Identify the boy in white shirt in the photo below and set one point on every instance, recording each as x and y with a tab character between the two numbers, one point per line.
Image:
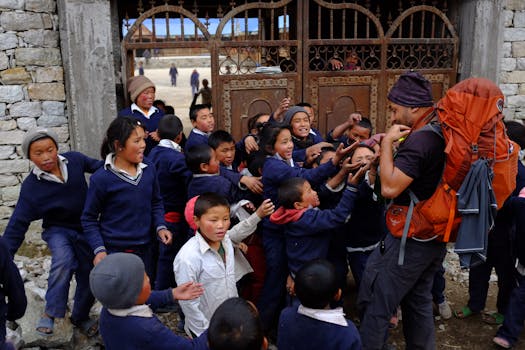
208	257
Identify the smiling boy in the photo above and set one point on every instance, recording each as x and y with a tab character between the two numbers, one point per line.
203	124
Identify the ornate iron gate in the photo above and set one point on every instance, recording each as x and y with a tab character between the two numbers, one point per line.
302	39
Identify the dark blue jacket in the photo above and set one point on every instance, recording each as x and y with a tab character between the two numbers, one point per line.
195	139
173	176
216	183
142	333
299	150
12	288
308	237
300	332
151	124
120	212
58	204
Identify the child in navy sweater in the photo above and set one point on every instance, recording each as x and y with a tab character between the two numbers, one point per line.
354	129
174	177
123	202
203	123
13	290
121	285
312	324
55	191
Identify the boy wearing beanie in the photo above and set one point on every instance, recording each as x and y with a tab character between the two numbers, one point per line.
121	285
142	94
55	191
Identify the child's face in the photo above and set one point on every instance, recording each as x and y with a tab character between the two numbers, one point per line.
133	150
213	164
284	144
204	120
300	124
309	197
362	155
326	157
214	224
145	292
145	98
357	133
225	153
44	154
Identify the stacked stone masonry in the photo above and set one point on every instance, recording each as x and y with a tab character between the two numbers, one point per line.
32	91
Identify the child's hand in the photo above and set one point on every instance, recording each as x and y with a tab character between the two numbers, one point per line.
165	236
187	291
283	107
243	247
265	209
342	152
354	179
99	257
290	286
348	167
154	135
254	184
314	151
354	118
250	145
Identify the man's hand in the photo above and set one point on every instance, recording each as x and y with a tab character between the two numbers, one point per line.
396	132
254	184
165	236
187	291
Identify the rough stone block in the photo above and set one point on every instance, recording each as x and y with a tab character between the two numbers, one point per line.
2	109
49	74
51	120
11	93
40	5
25	109
12	137
5	212
6	152
4	61
518	49
19	21
6	125
516	101
15	76
44	38
8	180
14	166
513	77
520	64
506	48
509	89
53	107
62	133
521	90
10	193
26	123
47	91
37	57
508	64
513	34
518	5
12	4
8	41
508	16
519	19
509	113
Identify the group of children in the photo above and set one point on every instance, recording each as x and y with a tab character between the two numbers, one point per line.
276	217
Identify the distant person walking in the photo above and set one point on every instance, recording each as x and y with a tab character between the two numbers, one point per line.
194	82
173	74
141	68
147	55
205	93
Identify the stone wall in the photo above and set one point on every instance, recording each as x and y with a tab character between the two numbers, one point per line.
31	88
512	75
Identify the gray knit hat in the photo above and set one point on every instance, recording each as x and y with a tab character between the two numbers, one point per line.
117	280
288	115
37	134
137	84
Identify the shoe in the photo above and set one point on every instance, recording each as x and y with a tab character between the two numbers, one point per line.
494	318
45	326
501	342
444	310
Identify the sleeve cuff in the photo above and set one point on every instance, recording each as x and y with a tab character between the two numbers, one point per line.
100	249
161	227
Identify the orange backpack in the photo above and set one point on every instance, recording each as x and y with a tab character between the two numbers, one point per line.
471	120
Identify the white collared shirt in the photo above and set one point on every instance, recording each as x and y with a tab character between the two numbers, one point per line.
200	132
109	163
198	262
334	316
44	175
151	111
170	144
289	162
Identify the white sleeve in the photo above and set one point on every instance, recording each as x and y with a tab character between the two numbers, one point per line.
244	228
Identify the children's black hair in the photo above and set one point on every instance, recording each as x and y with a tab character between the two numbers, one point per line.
156	103
197	155
205	82
119	130
516	132
194	109
252	122
170	126
256	163
169	109
219	136
361	145
316	284
291	191
322	153
235	325
304	104
366	123
268	137
208	200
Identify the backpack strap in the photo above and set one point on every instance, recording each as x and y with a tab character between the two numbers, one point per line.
402	247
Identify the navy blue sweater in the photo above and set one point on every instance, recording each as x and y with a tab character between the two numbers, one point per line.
122	213
300	332
217	184
58	204
299	150
173	175
308	237
195	139
151	124
12	288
